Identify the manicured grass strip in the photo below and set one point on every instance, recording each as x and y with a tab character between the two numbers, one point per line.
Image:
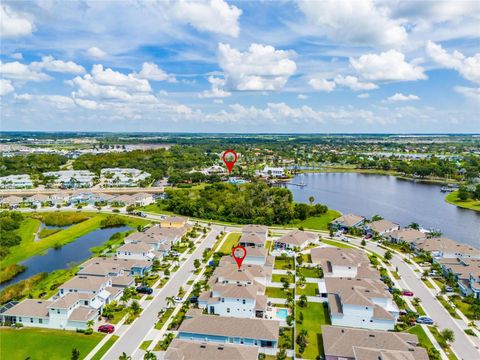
103	350
47	232
276	293
164	318
448	307
436	334
318	222
144	346
339	244
229	243
428	284
28	229
452	198
285	263
423	339
308	272
310	289
278	278
314	316
45	344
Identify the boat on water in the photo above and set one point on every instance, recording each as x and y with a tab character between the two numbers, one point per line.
449	188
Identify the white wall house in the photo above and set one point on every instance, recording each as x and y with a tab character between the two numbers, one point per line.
137	250
71	178
123	177
15	182
271	172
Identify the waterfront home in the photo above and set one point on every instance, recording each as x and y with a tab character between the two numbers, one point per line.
37	200
136	250
380	227
347	221
134	267
362	303
122	177
174	222
12	201
343	262
184	350
16	182
237	300
100	197
91	285
70	312
343	343
160	239
71	179
260	230
142	199
271	172
60	198
466	273
230	330
407	235
440	247
295	239
81	196
252	240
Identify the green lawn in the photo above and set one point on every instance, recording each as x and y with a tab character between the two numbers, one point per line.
105	347
283	263
464	307
278	278
448	307
314	316
423	339
436	334
318	222
163	318
310	289
339	244
452	198
44	344
144	345
28	229
28	247
308	272
275	292
230	242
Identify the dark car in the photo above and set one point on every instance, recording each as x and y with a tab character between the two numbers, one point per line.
144	290
106	328
424	320
193	299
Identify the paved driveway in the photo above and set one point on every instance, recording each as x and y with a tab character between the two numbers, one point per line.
131	339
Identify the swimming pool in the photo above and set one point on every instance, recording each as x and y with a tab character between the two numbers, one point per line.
281	314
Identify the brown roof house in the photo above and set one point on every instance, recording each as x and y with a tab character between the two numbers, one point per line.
295	239
381	227
408	235
192	350
348	221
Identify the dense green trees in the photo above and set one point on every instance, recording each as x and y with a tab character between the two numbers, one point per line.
251	203
9	222
30	164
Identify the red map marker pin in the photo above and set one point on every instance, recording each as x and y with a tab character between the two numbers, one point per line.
239	253
228	163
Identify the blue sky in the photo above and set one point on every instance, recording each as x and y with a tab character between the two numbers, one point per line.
241	66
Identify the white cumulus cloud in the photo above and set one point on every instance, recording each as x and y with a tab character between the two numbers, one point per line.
18	71
151	71
468	67
96	52
354	83
469	92
6	87
259	68
217	90
13	24
401	97
322	84
354	21
49	63
389	65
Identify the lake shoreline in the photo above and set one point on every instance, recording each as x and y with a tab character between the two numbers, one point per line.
452	199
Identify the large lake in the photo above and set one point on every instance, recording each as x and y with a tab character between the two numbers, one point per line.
66	256
401	201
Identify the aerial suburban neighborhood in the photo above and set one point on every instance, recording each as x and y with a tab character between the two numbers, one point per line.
240	180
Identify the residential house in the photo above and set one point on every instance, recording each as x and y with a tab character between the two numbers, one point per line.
228	272
440	247
60	198
260	230
295	239
343	262
185	350
174	222
71	179
16	182
269	171
407	235
122	200
363	303
142	199
237	300
380	227
343	343
347	221
100	197
229	330
136	250
123	177
133	267
91	285
12	201
214	170
466	272
252	240
38	199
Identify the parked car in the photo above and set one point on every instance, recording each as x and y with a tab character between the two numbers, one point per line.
402	312
407	293
107	328
424	320
432	273
193	299
178	299
144	290
448	288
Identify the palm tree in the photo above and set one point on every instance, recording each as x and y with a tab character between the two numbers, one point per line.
90	323
448	335
170	301
149	356
311	200
135	307
124	357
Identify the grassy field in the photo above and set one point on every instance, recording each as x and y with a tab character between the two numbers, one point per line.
283	263
278	293
44	344
452	198
28	247
105	347
278	278
314	316
28	229
318	222
307	272
339	244
229	243
310	289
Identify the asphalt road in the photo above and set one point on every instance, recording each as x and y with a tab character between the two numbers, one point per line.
131	339
466	347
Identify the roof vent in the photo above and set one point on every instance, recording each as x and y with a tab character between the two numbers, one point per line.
411	349
343	330
371	335
220	348
203	346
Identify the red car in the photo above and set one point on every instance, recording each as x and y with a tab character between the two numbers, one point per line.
407	293
106	329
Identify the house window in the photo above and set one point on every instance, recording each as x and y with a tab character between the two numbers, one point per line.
31	320
19	319
241	341
243	301
58	311
228	310
223	299
40	321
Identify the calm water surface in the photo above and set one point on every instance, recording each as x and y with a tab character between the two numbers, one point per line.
71	253
401	201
